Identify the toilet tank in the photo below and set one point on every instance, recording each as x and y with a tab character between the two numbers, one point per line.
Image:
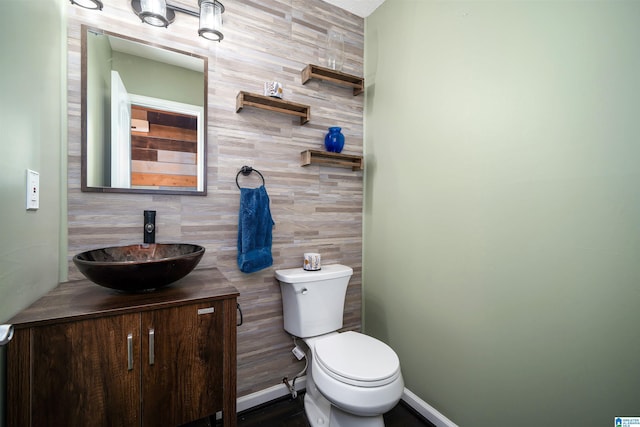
313	301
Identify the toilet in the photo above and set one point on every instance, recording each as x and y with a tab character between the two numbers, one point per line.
352	378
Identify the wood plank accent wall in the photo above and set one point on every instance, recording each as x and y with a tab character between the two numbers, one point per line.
315	208
164	156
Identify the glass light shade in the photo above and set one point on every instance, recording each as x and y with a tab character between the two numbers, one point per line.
154	12
211	20
88	4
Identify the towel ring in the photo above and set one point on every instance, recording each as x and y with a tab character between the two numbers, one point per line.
246	170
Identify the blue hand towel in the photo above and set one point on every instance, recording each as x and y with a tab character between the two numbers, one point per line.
254	230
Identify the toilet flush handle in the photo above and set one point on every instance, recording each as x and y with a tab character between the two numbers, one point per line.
304	291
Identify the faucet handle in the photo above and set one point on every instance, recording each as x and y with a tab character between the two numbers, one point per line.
149	226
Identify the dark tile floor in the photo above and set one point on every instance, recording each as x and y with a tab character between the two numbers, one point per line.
289	412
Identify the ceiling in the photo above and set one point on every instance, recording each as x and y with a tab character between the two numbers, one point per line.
362	8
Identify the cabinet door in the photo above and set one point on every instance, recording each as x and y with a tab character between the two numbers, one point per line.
182	363
81	374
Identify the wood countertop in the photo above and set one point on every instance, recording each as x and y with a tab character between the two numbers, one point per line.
83	299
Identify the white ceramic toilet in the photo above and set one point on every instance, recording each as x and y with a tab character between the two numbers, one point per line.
352	379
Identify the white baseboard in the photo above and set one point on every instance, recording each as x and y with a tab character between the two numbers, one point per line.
267	395
277	391
426	410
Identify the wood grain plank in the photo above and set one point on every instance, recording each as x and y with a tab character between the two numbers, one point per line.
162	180
165	168
70	366
187	348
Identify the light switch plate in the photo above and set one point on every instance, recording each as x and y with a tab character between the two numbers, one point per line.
33	190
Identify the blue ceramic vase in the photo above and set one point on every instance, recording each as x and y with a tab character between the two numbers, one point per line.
334	140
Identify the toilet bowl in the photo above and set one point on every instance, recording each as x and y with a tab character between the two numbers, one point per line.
352	378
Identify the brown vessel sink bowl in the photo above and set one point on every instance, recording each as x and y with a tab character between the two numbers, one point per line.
138	268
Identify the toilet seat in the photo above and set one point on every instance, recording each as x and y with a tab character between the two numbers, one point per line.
357	359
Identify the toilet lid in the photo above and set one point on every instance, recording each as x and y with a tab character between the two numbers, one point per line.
357	359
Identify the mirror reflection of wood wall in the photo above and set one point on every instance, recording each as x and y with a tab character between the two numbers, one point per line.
163	149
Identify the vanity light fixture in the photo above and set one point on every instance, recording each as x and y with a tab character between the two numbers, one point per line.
88	4
211	19
160	13
153	12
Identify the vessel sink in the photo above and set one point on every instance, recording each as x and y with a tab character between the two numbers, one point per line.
137	268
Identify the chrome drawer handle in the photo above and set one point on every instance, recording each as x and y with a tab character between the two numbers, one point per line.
130	351
152	357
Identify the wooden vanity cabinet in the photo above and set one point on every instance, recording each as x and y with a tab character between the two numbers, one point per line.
163	358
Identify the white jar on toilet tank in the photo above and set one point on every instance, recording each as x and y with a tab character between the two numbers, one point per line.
312	261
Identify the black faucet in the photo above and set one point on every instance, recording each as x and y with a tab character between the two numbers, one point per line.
149	226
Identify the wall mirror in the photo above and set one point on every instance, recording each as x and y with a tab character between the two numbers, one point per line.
144	116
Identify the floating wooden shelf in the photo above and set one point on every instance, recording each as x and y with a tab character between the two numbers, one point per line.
316	72
308	157
246	99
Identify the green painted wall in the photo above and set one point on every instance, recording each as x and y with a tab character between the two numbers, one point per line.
99	104
502	206
32	128
159	80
